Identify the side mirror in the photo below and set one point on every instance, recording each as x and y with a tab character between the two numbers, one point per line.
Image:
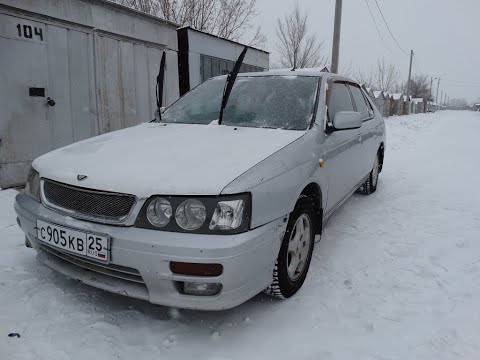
346	120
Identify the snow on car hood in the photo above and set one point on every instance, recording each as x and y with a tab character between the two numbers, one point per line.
172	159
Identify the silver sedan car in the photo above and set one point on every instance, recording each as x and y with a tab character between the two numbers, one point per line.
190	213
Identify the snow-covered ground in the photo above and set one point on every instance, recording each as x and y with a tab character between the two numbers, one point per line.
395	276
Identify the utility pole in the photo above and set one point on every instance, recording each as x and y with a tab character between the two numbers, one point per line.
441	100
336	36
431	84
430	105
438	86
409	78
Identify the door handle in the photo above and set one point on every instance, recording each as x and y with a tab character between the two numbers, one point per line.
50	101
360	136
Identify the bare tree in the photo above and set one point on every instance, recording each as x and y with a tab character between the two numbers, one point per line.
459	104
368	79
296	47
419	87
347	70
386	76
229	19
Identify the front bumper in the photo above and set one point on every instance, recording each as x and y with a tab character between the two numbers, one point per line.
248	259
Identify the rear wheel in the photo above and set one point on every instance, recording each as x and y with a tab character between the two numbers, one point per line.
295	253
370	185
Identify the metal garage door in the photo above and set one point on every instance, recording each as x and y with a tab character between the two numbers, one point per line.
125	76
39	61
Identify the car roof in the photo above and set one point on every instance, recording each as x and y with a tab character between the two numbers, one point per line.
297	72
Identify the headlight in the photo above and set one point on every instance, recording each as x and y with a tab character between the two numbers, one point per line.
32	187
191	214
225	214
159	212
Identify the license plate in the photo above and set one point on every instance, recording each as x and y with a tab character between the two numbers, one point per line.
91	245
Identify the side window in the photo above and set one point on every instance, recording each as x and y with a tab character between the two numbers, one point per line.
339	100
369	104
215	67
207	68
360	101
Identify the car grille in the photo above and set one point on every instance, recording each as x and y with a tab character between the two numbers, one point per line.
116	271
94	204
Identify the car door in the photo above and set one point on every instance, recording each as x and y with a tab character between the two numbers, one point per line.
342	148
367	149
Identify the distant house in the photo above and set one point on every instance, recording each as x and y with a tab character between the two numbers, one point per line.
370	92
397	107
476	107
379	100
419	105
387	104
407	105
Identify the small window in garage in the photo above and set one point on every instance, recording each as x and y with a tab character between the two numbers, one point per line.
339	100
207	68
223	67
215	67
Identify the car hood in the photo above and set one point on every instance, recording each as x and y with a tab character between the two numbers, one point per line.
169	159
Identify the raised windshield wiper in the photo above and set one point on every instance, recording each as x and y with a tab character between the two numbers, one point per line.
229	84
159	87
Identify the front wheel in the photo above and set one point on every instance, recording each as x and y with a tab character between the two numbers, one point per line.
295	253
370	185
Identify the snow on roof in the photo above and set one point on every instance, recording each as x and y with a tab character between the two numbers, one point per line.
219	37
417	100
376	94
316	69
397	96
405	98
281	72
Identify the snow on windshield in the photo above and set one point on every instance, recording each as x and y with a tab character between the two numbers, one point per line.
284	102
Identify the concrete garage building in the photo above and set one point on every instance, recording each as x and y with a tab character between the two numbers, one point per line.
202	56
397	104
73	69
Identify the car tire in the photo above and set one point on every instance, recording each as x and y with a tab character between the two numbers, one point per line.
370	185
295	254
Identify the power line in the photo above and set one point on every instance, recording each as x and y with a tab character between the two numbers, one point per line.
390	31
467	82
376	26
416	65
465	85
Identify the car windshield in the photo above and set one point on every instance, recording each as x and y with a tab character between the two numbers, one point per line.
284	102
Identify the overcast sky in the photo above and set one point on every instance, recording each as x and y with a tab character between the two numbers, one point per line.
444	35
